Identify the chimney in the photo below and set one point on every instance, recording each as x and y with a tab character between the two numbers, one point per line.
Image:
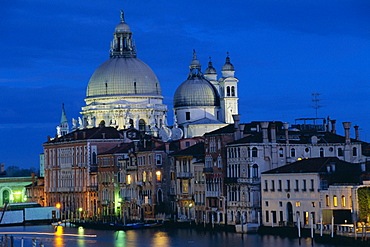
236	119
264	126
333	130
347	126
357	132
273	132
33	178
328	124
286	127
49	138
167	146
103	135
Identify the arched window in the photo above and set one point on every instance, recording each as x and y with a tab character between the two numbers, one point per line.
255	171
254	152
141	125
227	91
340	152
343	201
281	152
232	91
354	152
327	200
131	123
321	152
6	196
335	201
292	152
94	161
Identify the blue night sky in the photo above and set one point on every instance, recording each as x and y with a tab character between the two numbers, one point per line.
283	51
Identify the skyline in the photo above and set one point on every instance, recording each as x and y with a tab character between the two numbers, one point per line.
282	52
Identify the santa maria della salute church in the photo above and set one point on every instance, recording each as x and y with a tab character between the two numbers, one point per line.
125	93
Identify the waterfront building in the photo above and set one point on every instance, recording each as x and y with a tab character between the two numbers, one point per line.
269	145
71	167
310	191
35	190
13	189
190	184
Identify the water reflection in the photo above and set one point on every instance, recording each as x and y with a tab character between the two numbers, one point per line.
58	240
81	238
160	239
120	239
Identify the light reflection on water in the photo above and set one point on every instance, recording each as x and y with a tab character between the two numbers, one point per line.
80	237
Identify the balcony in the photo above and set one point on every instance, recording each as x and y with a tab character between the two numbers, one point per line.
185	175
231	180
131	168
213	193
208	170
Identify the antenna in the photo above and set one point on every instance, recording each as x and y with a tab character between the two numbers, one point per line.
316	100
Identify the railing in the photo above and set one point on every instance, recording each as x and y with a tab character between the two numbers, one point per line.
185	175
213	193
208	170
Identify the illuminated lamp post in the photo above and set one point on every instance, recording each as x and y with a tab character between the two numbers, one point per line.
58	206
79	213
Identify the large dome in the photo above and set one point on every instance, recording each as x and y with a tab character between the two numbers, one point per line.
123	76
196	91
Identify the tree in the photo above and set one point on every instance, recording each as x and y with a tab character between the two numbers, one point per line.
363	195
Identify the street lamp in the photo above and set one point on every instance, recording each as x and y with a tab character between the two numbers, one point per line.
79	212
58	206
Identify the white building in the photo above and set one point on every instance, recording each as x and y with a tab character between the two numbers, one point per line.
306	190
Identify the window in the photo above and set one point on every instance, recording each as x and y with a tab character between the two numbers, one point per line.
128	179
159	176
227	91
281	152
187	115
343	201
340	152
266	186
296	185
158	159
267	216
279	185
266	203
354	152
304	188
335	201
141	125
144	176
187	144
254	152
232	91
272	185
287	185
255	171
312	185
297	204
292	152
321	152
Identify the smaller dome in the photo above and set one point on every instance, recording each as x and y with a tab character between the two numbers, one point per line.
228	66
196	92
122	27
210	69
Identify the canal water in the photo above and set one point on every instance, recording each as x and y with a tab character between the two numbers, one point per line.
160	237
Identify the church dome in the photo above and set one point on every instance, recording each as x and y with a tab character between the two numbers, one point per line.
228	66
210	69
122	27
123	76
196	91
